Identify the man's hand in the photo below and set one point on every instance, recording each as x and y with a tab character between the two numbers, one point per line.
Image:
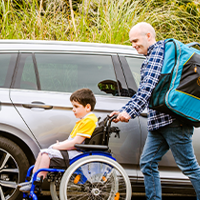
115	113
123	116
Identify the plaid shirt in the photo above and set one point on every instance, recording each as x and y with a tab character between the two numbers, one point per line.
150	73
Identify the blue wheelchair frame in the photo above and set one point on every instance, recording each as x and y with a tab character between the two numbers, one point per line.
33	196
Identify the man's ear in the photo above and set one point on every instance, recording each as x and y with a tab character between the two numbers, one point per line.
148	36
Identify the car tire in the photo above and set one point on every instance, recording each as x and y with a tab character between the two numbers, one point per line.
13	168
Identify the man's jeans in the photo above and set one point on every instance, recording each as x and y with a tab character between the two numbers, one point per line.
176	137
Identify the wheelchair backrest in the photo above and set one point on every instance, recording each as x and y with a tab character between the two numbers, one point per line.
102	133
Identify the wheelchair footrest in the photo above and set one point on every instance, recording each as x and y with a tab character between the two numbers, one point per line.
90	147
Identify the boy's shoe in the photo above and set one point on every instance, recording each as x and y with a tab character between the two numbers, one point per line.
22	184
26	188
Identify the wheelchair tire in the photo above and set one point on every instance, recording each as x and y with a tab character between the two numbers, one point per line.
95	177
54	191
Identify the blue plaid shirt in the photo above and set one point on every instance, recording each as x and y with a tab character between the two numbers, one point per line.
150	73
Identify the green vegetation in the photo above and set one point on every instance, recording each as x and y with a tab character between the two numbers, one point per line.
105	21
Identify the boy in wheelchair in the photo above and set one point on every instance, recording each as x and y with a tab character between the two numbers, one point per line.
83	101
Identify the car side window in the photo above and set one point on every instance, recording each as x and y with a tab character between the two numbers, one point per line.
7	64
135	66
62	72
69	72
28	78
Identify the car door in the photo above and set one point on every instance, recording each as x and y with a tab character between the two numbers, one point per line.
44	82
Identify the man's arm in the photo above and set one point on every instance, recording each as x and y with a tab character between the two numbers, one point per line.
149	78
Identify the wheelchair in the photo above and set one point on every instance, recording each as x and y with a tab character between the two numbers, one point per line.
92	175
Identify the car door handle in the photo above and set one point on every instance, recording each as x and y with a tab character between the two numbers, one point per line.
143	114
37	104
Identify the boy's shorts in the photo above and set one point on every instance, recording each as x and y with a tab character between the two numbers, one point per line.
52	153
57	163
58	159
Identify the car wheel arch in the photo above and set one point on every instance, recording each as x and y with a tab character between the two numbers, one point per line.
23	144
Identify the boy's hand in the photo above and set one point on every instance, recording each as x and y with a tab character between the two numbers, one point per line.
55	145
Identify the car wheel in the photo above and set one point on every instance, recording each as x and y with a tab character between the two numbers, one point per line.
13	167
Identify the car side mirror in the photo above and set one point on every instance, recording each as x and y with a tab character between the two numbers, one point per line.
109	87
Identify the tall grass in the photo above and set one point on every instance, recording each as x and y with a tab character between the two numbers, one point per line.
105	21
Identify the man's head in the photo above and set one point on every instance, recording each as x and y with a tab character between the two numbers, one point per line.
142	36
85	97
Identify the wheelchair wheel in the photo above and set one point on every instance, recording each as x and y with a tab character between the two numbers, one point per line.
54	191
95	177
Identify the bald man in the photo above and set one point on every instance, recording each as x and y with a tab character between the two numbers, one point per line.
164	131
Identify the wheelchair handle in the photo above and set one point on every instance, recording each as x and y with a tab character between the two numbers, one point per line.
113	117
110	119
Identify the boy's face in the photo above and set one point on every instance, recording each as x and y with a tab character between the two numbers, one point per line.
79	110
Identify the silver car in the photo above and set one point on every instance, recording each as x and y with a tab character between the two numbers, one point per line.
36	81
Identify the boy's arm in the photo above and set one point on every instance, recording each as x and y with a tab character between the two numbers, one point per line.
84	131
69	144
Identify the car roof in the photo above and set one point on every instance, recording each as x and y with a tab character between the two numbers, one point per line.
47	45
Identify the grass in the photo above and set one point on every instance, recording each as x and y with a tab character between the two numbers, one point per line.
102	21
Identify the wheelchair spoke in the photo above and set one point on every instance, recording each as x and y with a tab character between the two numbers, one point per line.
101	182
95	178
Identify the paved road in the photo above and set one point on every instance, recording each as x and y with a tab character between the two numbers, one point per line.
140	198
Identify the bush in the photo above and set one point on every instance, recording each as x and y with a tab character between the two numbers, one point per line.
103	21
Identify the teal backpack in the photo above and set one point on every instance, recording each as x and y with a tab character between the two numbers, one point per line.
178	89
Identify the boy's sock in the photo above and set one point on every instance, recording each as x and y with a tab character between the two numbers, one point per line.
37	179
